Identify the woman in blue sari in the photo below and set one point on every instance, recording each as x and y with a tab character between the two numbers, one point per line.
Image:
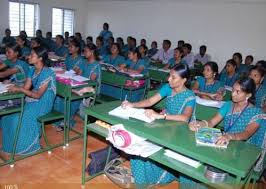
180	103
177	59
229	76
143	52
114	58
207	86
40	91
25	51
134	64
101	49
73	59
16	69
257	74
242	120
60	49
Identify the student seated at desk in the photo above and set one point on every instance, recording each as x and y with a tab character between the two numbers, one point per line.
143	51
242	120
60	50
78	37
90	68
230	75
73	59
25	51
15	68
188	55
35	42
101	49
134	64
40	90
153	50
114	58
257	74
7	40
180	103
202	57
207	86
165	53
177	59
49	42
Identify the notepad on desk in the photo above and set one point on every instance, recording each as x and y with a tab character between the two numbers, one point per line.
208	137
182	158
126	113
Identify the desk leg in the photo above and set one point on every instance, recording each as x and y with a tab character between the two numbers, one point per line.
17	132
65	121
68	121
83	180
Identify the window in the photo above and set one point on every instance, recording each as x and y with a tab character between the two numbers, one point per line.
62	22
23	16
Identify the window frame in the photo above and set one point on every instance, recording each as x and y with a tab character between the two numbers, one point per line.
36	14
73	27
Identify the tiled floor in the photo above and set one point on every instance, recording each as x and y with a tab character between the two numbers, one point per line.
61	169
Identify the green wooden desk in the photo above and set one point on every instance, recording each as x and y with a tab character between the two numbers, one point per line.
65	91
118	81
11	96
238	159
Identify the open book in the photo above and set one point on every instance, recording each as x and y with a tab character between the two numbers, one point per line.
208	137
137	113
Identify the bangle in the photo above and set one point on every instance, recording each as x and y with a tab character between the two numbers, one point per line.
206	123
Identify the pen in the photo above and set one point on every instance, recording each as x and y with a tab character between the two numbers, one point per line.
125	98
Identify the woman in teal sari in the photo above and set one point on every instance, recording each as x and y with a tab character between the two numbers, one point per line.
73	59
208	87
258	75
179	106
114	58
242	120
40	91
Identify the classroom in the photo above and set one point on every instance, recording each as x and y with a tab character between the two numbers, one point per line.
132	94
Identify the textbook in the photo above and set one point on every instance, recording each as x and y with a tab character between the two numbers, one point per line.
126	113
208	137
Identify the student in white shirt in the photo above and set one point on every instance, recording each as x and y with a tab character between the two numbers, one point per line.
164	54
202	57
188	55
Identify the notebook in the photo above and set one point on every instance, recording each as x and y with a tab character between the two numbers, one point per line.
182	158
208	137
209	103
137	113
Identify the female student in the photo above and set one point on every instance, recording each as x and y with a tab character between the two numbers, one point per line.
73	59
60	50
180	103
40	90
177	59
89	68
242	120
153	50
230	75
207	86
134	64
21	41
143	52
114	58
101	49
257	74
15	69
35	42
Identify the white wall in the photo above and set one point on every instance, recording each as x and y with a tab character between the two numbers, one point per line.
80	7
225	26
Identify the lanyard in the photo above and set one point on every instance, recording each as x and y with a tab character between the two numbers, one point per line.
231	120
258	88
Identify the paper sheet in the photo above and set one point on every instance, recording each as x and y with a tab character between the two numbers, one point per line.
210	103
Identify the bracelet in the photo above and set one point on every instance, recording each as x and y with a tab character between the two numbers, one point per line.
164	116
206	123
